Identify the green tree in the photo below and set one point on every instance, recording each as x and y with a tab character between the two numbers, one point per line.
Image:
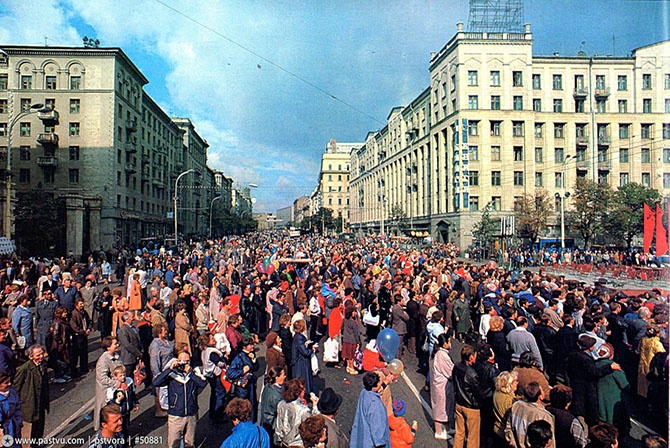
323	219
485	228
397	218
532	213
624	215
38	227
589	208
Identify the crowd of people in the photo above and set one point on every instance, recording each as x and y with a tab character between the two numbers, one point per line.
511	358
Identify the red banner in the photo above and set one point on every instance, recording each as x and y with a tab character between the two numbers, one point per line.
661	234
648	227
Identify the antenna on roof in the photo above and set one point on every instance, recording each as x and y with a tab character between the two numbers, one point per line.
91	43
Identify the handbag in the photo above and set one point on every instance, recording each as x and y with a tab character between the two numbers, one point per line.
140	373
369	319
315	364
21	342
227	385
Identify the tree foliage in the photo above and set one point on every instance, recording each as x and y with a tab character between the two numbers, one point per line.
38	224
623	220
398	218
485	228
588	213
532	213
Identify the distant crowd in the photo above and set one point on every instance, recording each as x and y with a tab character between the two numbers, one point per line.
542	360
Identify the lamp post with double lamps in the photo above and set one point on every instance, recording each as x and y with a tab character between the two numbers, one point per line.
7	218
211	209
176	196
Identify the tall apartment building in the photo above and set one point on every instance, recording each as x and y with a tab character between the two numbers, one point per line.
334	178
114	154
497	122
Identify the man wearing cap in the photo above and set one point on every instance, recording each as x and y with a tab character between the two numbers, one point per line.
328	405
584	374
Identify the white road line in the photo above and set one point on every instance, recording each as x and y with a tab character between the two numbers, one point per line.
418	396
85	408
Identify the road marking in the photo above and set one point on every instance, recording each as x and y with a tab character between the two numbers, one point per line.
87	407
418	396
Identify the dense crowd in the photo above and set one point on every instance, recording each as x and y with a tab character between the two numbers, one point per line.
542	360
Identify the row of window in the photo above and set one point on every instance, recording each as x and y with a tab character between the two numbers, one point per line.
50	82
49	176
495	126
557	81
75	105
25	129
557	107
559	154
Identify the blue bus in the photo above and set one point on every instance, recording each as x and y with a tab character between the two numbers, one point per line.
554	244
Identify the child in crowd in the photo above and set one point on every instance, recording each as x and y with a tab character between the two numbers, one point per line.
126	400
402	435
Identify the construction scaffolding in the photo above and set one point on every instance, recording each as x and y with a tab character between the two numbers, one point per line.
496	16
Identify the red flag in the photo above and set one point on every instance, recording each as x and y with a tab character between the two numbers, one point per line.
661	234
648	227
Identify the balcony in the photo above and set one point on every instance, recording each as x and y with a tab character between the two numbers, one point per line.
131	167
581	92
158	182
131	145
604	140
582	165
131	125
47	138
49	117
603	92
582	140
146	175
604	165
47	162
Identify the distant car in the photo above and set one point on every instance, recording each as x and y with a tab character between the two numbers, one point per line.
346	237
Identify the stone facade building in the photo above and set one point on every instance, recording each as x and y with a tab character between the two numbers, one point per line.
498	122
333	186
112	157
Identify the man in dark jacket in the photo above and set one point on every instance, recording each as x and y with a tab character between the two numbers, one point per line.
565	343
467	389
44	313
584	374
130	346
184	384
66	294
32	384
80	323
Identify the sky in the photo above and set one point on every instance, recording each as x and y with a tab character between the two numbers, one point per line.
268	83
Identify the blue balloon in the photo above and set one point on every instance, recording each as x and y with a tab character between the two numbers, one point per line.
388	343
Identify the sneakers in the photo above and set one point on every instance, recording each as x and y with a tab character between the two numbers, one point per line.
442	435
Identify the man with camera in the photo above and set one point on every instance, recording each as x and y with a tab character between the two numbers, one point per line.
184	383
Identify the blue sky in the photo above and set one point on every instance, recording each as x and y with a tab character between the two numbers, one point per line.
267	108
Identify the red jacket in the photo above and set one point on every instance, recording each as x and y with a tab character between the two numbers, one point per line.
401	433
372	360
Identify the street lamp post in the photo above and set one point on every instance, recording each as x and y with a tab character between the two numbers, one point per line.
7	220
211	205
563	195
176	186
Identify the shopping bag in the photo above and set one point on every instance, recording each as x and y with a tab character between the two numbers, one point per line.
315	364
330	350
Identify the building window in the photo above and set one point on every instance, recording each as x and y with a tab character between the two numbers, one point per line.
600	82
517	79
330	201
579	82
472	77
623	130
558	105
666	155
537	105
646	106
74	152
24	175
645	130
558	130
623	179
495	153
667	106
25	104
474	153
559	155
495	78
495	128
646	180
49	177
623	106
539	156
645	155
453	83
557	82
558	180
538	130
518	153
3	129
537	82
24	129
73	175
622	82
646	81
26	82
496	203
24	153
495	102
666	180
518	103
518	178
474	203
75	82
4	81
666	131
330	177
603	177
517	128
495	178
538	180
74	106
667	82
579	106
3	106
74	129
473	102
50	83
474	178
601	106
623	155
